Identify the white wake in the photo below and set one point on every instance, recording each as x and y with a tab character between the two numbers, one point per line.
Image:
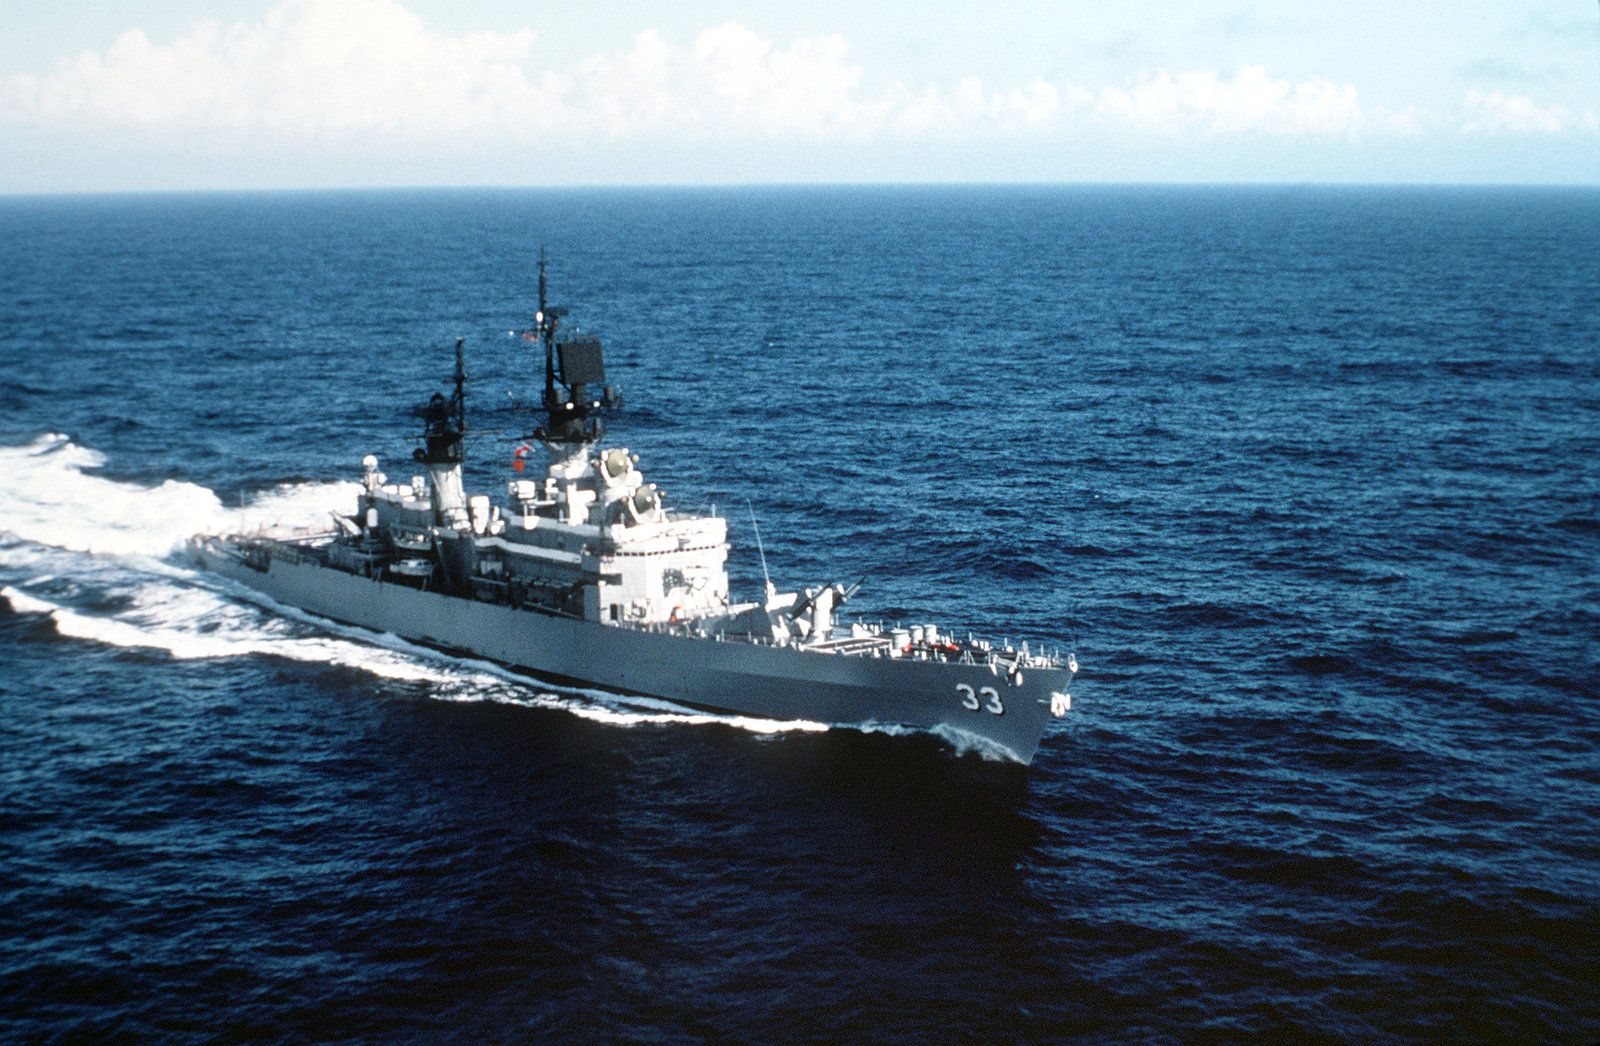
80	542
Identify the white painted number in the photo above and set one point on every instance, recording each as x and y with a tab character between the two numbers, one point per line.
970	699
994	704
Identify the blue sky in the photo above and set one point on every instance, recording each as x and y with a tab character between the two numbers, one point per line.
118	95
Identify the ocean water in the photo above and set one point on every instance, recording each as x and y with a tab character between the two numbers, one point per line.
1309	478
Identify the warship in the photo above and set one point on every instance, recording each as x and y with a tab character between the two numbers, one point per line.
582	576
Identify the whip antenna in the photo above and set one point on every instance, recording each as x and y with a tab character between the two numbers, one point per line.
767	577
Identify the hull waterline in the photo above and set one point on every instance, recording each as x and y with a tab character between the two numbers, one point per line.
733	676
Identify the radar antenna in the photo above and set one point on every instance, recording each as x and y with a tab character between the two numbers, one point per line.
570	366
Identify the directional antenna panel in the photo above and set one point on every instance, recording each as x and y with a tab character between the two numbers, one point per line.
581	363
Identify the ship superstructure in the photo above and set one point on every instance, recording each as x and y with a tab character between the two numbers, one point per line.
584	575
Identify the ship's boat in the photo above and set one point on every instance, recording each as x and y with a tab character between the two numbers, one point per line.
583	576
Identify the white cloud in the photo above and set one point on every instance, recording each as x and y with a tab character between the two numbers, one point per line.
316	67
729	79
324	69
310	66
1251	102
1518	114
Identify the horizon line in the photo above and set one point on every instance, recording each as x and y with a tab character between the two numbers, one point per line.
787	185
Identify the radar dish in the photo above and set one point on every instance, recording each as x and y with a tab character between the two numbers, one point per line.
615	463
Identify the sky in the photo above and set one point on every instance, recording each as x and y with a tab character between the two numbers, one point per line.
119	95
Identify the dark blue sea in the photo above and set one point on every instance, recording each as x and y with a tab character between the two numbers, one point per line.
1308	478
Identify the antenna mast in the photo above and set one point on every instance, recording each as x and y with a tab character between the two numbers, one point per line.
461	387
445	420
572	364
545	324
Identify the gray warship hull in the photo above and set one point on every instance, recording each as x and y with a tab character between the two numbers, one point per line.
1001	713
584	575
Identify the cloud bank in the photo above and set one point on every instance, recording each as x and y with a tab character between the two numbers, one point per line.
319	69
310	66
1518	114
364	93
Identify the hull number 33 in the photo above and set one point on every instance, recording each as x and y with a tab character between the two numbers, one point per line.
987	699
